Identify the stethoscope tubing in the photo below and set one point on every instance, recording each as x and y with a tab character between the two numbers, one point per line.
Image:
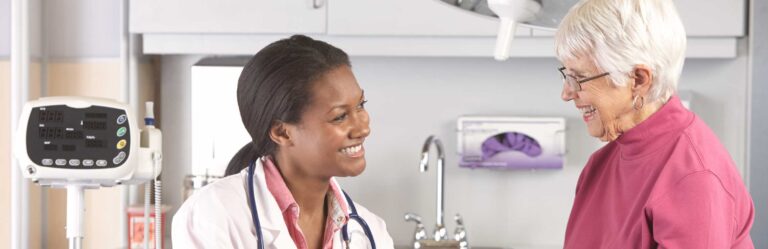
344	233
254	212
353	215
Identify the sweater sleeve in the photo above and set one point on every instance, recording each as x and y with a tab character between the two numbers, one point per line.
696	213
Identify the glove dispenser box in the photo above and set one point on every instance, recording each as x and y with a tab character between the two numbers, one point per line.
511	142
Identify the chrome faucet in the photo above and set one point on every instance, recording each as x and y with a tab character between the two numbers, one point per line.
420	233
440	231
460	234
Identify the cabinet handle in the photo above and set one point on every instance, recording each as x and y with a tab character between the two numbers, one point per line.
318	3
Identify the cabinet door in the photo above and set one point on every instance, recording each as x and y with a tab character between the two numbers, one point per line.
408	18
709	18
713	17
228	16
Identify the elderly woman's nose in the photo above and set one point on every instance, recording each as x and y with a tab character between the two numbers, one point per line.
567	93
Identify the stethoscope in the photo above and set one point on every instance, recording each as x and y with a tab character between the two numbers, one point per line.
344	233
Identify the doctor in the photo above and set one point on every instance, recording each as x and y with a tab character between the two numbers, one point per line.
304	111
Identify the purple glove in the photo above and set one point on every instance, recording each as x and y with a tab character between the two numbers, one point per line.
510	141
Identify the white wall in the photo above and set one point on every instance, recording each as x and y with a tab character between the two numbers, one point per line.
411	98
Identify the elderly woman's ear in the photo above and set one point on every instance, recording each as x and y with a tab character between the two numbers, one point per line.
643	79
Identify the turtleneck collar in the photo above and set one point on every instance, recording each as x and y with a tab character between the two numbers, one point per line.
660	128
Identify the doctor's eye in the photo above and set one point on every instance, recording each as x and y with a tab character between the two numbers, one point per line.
340	118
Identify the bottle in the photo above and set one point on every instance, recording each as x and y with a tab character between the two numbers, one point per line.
150	135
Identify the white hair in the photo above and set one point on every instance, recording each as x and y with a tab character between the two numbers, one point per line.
619	34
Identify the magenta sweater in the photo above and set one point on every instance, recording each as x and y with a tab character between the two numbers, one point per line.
666	183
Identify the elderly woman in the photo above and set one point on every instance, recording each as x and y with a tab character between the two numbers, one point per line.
663	180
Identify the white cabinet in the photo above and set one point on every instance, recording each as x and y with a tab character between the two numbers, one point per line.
383	27
713	17
408	18
709	18
228	16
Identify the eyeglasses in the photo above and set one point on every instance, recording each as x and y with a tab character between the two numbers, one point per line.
575	84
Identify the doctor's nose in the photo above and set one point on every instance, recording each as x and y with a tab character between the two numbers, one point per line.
361	127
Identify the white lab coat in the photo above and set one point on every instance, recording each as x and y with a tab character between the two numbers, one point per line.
218	216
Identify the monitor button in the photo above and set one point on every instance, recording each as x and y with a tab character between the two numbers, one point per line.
119	158
121	131
121	144
121	119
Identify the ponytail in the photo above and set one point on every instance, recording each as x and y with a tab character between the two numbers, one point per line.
241	160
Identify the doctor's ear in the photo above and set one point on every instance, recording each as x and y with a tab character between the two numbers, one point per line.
643	79
279	134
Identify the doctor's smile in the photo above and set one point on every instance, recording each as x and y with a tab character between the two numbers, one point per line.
353	151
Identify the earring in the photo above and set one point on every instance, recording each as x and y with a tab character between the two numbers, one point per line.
634	102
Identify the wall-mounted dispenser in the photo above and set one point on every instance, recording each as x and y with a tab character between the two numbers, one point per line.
511	142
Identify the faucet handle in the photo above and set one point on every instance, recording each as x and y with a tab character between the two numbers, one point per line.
413	217
420	233
459	220
460	234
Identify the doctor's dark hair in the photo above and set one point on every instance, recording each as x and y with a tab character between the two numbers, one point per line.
275	86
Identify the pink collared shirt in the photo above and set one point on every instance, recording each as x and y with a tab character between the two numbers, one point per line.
337	215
